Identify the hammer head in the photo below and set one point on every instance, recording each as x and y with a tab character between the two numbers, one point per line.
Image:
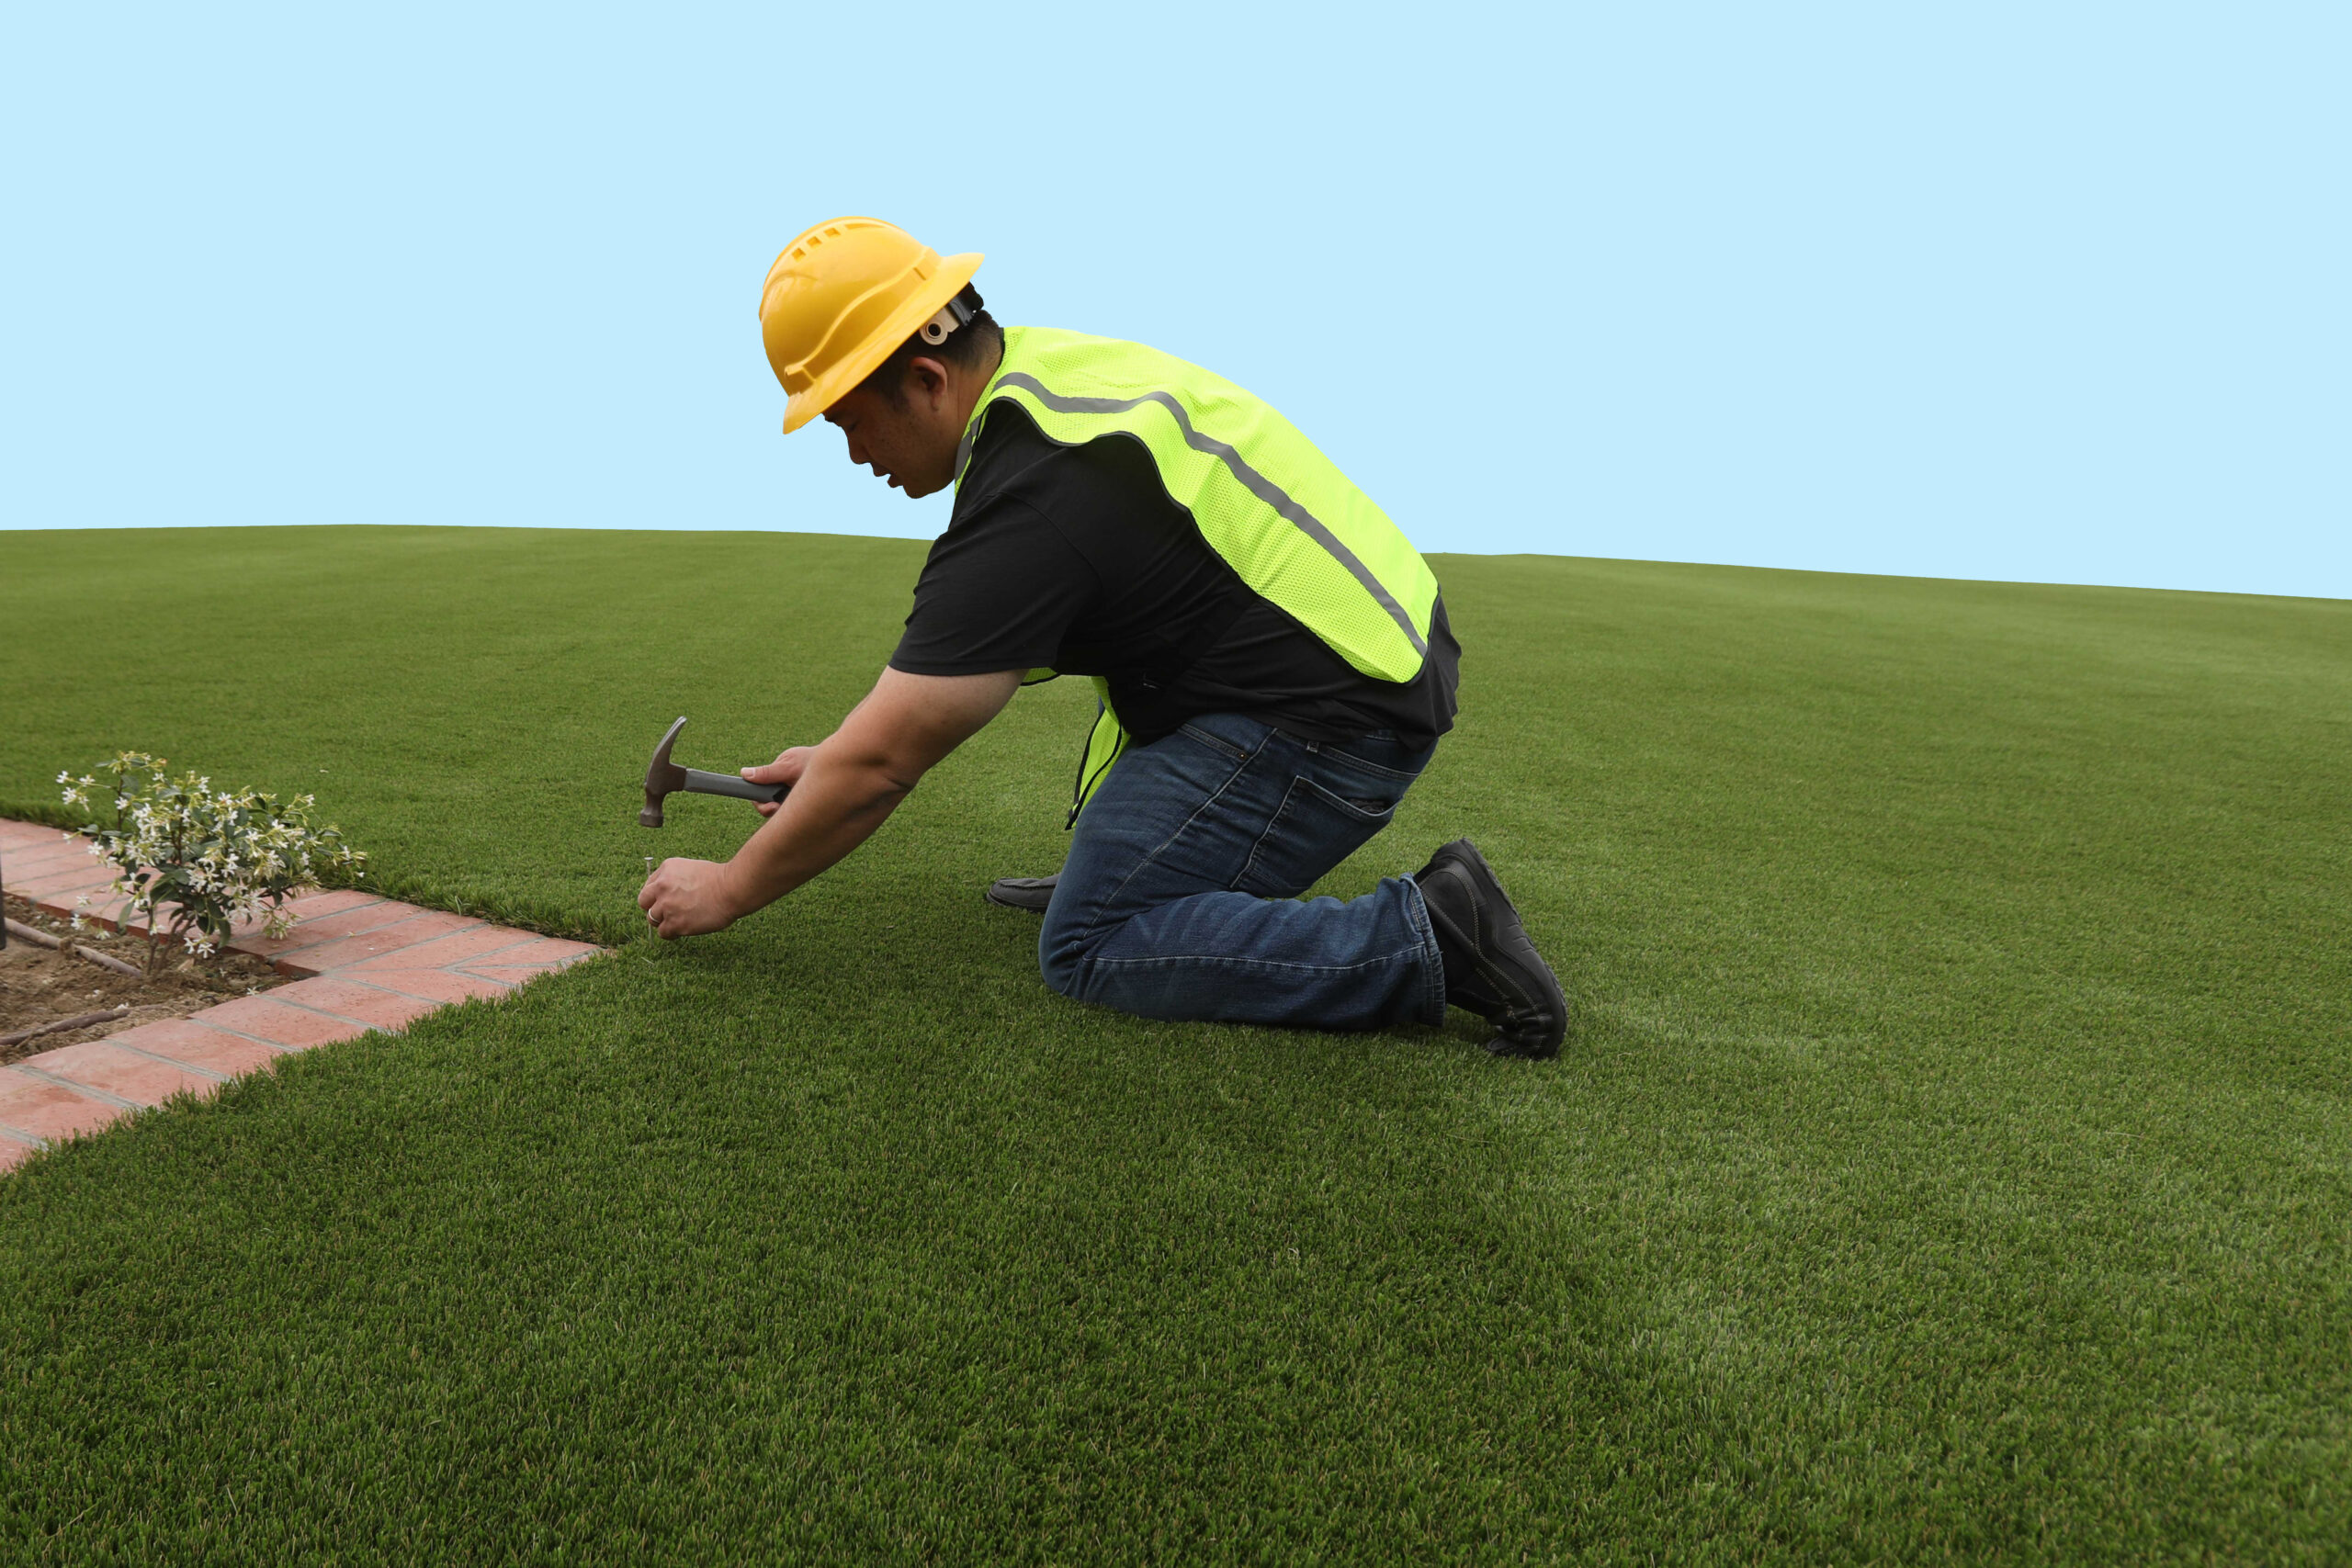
661	776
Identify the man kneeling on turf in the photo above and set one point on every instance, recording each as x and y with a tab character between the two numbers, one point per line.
1272	656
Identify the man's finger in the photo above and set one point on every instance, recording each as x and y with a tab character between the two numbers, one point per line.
787	769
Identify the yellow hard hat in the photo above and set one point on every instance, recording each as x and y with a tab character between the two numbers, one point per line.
840	297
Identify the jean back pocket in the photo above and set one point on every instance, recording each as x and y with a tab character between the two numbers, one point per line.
1315	829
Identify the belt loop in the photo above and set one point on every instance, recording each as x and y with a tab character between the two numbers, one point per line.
1316	747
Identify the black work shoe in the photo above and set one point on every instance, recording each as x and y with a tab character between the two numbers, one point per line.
1030	893
1491	967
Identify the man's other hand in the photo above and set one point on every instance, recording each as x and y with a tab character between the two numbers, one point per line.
786	770
688	897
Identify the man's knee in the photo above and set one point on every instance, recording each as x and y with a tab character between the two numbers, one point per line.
1062	946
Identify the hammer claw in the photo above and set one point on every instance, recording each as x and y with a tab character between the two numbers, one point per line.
664	777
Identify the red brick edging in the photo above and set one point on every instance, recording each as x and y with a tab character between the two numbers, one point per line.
361	962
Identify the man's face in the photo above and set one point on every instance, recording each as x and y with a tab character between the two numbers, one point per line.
911	443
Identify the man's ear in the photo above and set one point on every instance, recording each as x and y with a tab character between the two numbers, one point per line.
929	378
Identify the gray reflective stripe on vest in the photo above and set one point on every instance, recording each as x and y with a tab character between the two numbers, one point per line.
1255	483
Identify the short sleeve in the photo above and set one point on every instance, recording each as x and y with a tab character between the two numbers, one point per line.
998	591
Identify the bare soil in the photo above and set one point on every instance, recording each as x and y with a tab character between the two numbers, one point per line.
38	984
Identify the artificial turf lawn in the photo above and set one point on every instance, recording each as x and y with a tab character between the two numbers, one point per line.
1951	1157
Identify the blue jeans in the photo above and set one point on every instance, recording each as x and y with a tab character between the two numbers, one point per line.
1180	898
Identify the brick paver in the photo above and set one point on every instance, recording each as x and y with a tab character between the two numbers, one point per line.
296	1029
360	962
195	1044
28	861
35	1107
385	942
330	901
440	986
68	883
317	931
547	952
122	1071
370	1005
446	949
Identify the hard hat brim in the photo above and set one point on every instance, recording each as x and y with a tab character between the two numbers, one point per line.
857	365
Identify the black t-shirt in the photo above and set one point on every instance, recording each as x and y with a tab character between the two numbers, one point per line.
1075	559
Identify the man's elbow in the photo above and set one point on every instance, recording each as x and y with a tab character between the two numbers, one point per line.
885	775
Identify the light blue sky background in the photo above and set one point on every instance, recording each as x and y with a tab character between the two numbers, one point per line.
2028	291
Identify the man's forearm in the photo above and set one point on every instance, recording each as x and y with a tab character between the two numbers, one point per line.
838	803
840	793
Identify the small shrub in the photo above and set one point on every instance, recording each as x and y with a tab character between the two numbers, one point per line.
212	858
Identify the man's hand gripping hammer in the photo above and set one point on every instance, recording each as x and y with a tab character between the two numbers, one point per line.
664	777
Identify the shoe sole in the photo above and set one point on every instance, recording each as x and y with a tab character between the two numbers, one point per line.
1029	893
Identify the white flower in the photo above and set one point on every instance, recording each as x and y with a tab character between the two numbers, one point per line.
206	859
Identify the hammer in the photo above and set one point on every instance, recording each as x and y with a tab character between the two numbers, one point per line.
664	777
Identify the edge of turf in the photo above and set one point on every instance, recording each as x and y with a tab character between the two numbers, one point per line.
427	892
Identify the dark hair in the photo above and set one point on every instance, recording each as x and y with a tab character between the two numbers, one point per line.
965	348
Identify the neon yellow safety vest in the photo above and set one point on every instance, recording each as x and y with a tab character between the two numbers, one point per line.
1281	513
